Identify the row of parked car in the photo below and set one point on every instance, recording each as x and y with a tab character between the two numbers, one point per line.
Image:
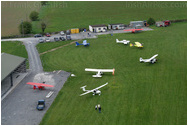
48	34
61	38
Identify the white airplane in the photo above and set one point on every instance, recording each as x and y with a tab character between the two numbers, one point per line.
94	91
151	60
100	71
123	41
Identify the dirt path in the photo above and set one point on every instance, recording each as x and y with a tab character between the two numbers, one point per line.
51	50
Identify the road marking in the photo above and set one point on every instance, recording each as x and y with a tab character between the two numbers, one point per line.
58	72
49	94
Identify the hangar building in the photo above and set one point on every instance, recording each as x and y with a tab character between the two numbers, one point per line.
10	67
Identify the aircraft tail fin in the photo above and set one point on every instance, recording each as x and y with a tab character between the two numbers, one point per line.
131	45
141	60
83	88
117	40
77	44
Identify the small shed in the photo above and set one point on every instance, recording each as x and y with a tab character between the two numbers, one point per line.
98	28
133	24
116	26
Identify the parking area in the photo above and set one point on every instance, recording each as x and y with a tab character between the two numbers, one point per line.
19	107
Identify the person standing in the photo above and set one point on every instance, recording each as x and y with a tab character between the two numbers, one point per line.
96	107
99	107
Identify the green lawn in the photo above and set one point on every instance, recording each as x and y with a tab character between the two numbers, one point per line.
138	93
63	15
15	48
48	46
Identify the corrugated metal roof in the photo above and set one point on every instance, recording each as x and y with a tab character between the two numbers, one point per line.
117	24
9	63
102	25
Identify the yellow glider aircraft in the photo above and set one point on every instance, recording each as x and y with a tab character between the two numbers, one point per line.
137	44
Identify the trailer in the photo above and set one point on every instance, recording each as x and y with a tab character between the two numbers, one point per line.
163	23
118	26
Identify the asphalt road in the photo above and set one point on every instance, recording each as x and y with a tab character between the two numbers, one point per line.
19	107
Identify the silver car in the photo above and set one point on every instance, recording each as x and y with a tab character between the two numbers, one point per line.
62	33
41	40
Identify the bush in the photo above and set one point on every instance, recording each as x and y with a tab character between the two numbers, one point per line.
34	16
151	21
27	27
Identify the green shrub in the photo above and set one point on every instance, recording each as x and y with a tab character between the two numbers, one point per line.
27	27
151	21
34	16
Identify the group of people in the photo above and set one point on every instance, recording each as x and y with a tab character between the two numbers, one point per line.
98	107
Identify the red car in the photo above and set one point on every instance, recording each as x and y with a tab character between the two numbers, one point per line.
47	35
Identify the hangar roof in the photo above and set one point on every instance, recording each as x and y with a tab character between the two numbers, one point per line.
9	63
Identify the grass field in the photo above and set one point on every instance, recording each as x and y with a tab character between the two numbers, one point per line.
15	48
138	93
12	12
63	15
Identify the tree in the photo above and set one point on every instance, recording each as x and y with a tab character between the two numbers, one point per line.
34	16
43	3
27	27
151	21
43	26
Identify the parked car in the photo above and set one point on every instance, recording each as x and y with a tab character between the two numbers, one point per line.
41	105
56	39
62	33
47	39
37	35
62	38
68	37
68	32
41	40
48	35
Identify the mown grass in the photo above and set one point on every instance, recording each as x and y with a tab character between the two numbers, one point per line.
138	93
63	15
48	46
15	48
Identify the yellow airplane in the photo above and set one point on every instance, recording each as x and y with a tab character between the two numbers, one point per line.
137	44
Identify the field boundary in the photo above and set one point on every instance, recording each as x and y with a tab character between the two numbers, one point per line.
51	50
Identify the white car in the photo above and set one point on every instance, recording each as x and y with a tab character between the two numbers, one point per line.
47	39
61	33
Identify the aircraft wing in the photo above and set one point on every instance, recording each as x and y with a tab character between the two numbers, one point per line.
100	86
87	92
138	44
132	29
101	70
153	57
39	84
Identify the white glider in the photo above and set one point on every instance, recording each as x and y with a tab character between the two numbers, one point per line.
123	41
151	60
100	71
94	91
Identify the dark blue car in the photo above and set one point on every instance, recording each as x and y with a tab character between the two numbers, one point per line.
41	105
